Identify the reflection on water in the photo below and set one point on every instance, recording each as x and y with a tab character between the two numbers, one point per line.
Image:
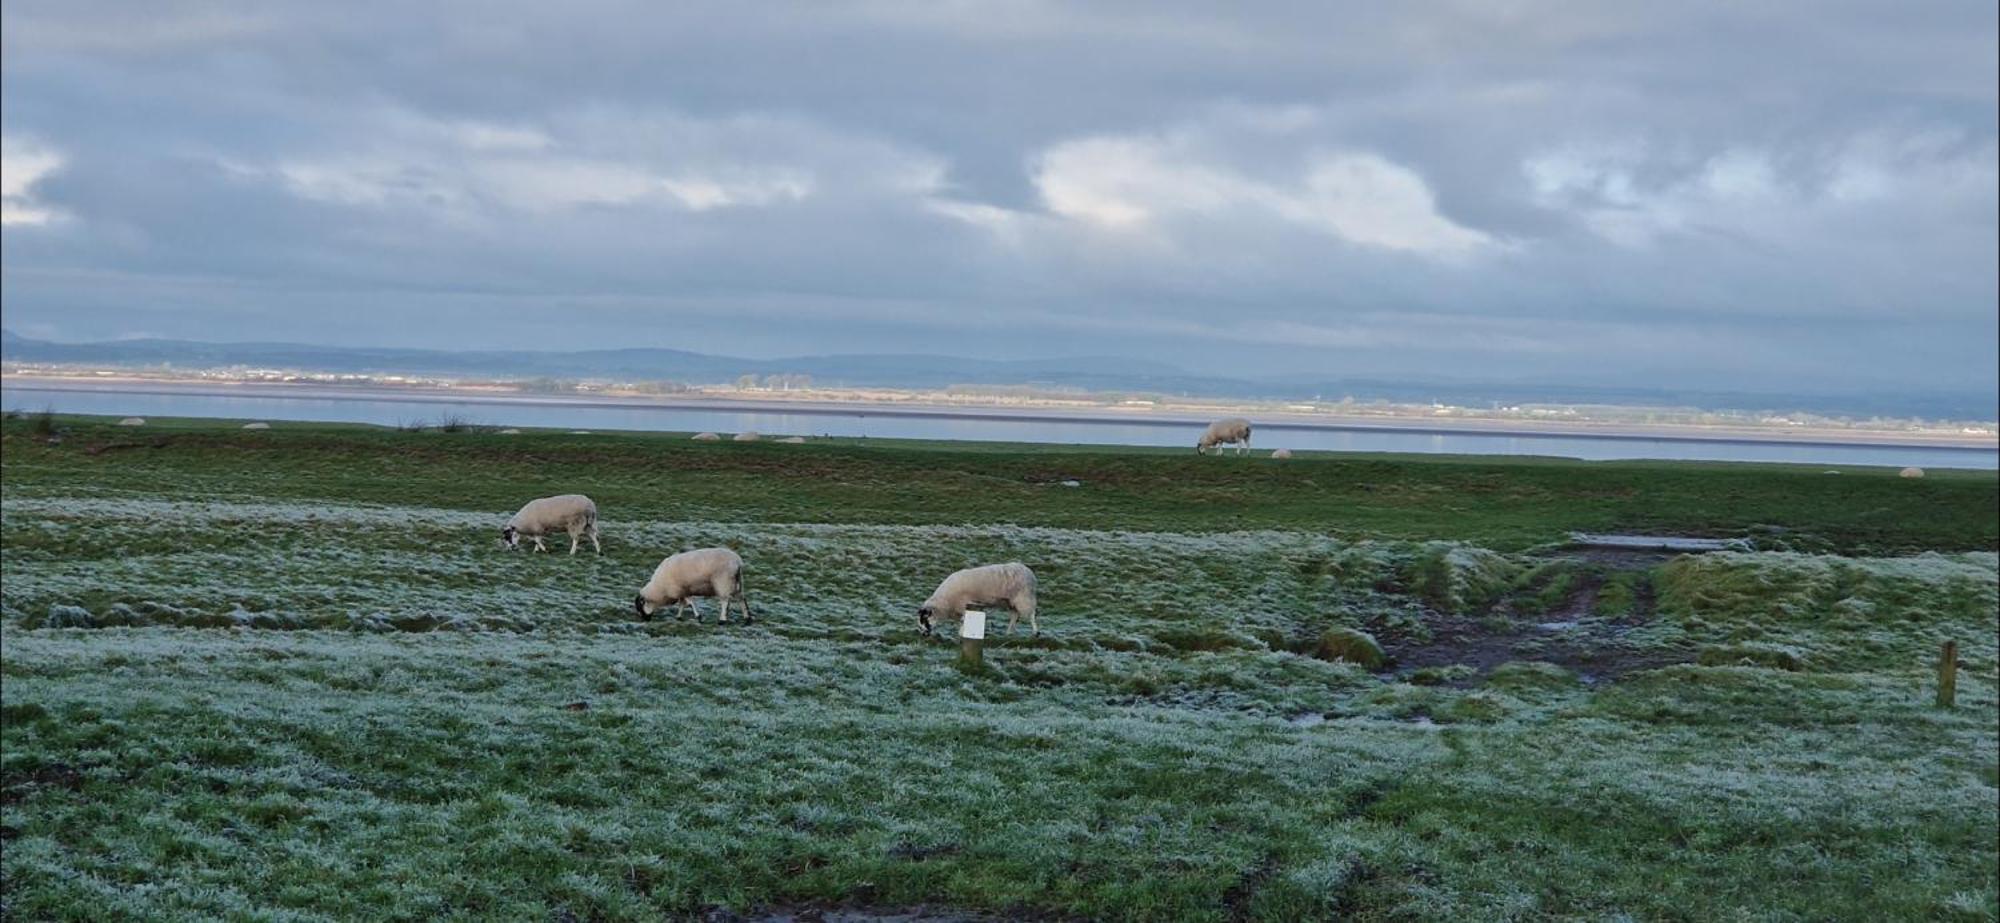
391	412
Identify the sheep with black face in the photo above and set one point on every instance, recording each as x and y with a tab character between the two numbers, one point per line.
572	513
1011	585
1231	431
714	572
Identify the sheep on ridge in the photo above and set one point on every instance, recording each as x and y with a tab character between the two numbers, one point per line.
1231	431
716	572
1282	453
1011	585
572	513
1910	473
748	437
706	437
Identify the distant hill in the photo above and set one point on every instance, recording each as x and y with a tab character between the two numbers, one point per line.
917	371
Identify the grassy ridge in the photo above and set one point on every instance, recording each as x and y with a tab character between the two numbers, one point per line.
1500	503
299	681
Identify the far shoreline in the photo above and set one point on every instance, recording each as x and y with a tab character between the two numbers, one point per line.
1274	420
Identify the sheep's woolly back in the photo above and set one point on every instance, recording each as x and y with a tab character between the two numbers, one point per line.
1282	453
981	586
706	437
1233	429
748	437
692	572
553	514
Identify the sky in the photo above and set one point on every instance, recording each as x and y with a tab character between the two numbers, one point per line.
1747	195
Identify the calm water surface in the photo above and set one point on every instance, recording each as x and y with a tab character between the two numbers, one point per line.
890	426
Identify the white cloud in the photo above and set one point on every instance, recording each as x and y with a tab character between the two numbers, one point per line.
1149	183
1629	196
23	163
466	170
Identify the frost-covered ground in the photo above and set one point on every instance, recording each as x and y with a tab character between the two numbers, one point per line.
239	703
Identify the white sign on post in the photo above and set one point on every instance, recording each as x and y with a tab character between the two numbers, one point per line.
973	626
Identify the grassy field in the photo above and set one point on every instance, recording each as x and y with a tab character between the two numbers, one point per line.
289	675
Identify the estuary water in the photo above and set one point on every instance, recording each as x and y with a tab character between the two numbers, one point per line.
970	425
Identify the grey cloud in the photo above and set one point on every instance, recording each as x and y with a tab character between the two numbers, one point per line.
1740	192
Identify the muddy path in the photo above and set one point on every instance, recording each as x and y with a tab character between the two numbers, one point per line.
1573	634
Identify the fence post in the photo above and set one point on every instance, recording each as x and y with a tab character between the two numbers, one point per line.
972	639
1948	675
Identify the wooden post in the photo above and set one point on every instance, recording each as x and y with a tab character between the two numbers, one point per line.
972	640
1948	675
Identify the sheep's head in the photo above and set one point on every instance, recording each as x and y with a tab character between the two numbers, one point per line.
641	606
510	537
924	614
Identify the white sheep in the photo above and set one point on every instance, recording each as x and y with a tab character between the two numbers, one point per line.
748	437
1911	473
1231	431
1011	585
706	437
793	440
256	426
572	513
1282	453
132	421
716	572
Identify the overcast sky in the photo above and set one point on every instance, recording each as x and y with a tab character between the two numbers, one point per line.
1762	195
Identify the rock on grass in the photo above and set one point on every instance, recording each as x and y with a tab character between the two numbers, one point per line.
1351	645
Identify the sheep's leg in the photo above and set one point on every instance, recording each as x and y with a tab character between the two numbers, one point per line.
681	606
1013	615
594	546
572	543
538	544
1028	606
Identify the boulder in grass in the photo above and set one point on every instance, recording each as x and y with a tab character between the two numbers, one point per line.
1351	645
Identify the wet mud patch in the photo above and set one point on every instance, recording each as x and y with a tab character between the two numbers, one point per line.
1462	650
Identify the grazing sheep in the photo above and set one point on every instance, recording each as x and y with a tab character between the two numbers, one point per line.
1911	473
793	440
706	437
256	426
716	572
1011	585
510	431
572	513
132	421
1232	431
1282	453
748	437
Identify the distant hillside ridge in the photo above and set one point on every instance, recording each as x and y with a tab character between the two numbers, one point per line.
905	371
